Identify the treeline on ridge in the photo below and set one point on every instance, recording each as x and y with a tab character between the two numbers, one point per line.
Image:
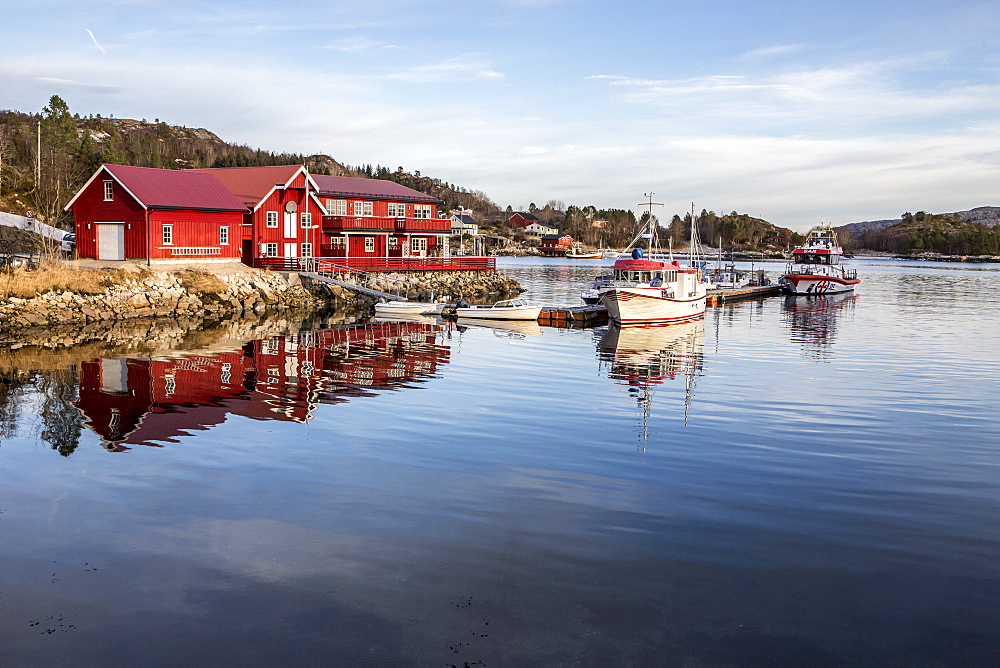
923	232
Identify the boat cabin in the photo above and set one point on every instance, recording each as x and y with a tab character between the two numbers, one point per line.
646	272
812	256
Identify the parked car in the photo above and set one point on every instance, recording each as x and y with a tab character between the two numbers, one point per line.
69	242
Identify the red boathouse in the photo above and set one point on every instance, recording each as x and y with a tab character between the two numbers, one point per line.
162	215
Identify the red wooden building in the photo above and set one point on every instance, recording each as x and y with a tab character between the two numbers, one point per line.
378	218
521	219
264	216
162	215
284	214
555	244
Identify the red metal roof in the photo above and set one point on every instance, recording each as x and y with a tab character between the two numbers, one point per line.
253	184
174	189
349	186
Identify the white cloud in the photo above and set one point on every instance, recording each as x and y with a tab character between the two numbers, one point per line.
360	45
459	68
771	51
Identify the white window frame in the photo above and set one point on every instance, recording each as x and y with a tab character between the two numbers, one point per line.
271	249
168	235
223	236
305	249
362	208
305	220
338	241
421	210
336	207
109	191
369	244
418	244
397	210
272	219
393	243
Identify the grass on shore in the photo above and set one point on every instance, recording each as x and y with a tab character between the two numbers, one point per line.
55	276
58	277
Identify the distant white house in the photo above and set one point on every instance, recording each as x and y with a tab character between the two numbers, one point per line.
540	229
463	223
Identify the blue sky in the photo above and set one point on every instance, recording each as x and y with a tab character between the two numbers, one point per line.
796	112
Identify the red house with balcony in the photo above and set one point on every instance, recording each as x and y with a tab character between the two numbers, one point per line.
284	214
379	219
125	213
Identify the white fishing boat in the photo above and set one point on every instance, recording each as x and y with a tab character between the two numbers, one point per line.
815	268
653	287
577	253
508	309
402	307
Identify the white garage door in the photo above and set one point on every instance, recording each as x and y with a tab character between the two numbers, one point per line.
110	241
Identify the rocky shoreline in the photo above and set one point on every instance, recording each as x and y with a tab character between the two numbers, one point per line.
143	293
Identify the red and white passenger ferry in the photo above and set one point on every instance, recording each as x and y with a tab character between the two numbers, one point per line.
815	268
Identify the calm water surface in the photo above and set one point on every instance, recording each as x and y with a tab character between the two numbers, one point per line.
792	481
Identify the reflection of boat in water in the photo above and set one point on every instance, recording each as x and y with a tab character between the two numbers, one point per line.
813	319
519	327
508	309
643	357
815	267
407	317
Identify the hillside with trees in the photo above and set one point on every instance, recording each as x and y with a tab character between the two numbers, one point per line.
973	232
46	157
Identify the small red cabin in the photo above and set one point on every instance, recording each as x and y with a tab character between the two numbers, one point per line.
163	215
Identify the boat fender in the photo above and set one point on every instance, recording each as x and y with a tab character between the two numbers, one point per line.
636	253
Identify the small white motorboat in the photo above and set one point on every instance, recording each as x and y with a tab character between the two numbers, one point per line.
508	309
401	307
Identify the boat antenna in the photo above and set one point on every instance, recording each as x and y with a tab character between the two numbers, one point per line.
654	241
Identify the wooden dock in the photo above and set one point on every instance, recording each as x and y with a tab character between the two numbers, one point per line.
577	316
723	296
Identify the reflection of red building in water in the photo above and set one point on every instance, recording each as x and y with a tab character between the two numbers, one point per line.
150	402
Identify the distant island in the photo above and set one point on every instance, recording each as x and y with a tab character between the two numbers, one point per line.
961	233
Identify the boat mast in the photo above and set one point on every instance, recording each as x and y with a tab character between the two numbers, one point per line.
651	224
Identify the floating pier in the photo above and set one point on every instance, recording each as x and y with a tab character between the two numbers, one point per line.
723	296
577	316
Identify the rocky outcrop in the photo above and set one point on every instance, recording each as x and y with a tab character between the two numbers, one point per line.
473	286
159	294
190	294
